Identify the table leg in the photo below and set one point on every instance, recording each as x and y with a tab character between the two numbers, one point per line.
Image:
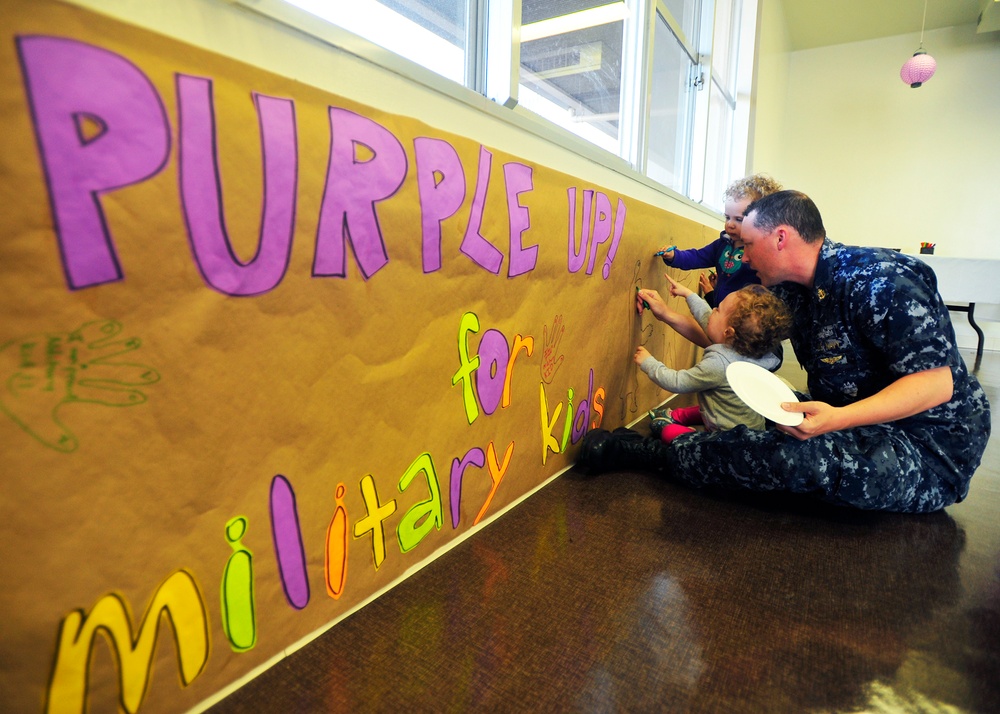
970	310
972	321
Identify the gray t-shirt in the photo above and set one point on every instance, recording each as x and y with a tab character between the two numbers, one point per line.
720	407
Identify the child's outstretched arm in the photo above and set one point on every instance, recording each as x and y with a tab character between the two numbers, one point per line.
685	325
709	373
676	289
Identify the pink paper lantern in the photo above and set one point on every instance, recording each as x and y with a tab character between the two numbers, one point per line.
918	69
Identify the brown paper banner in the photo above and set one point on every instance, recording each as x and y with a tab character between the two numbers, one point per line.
265	350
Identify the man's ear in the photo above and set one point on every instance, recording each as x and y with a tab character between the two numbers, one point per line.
782	234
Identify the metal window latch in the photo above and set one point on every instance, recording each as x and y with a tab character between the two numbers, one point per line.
697	78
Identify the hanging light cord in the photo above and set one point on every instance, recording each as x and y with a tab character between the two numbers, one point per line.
922	23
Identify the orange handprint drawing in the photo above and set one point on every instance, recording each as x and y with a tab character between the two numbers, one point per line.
552	359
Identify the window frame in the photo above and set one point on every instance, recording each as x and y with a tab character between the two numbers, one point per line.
636	59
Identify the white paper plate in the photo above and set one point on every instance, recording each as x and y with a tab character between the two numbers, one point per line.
763	392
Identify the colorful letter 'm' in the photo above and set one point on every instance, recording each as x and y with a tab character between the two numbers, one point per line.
178	597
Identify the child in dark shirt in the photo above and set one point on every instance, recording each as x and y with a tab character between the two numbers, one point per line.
725	255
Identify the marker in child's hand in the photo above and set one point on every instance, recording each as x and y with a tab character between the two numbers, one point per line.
661	253
644	303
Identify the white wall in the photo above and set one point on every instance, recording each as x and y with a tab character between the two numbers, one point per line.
886	164
770	87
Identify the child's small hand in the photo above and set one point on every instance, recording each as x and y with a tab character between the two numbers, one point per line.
650	300
667	253
641	353
676	289
707	282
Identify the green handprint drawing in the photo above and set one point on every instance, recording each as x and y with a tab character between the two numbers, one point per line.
43	372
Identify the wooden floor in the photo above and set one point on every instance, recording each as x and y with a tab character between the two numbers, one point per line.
623	592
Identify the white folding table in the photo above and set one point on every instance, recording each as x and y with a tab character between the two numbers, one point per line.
967	281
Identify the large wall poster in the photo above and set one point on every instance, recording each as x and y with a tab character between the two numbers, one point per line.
265	349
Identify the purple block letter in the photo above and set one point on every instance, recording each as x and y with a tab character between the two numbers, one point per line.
517	178
494	353
602	228
100	126
474	245
288	548
440	198
474	457
577	255
201	191
353	187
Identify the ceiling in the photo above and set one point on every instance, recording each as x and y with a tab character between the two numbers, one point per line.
816	23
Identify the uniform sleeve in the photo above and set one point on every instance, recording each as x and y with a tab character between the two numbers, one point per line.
709	373
905	318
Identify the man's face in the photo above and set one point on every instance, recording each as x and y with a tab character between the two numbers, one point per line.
760	252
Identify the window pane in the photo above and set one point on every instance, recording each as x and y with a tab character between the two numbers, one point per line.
685	12
571	64
431	33
725	46
719	148
670	110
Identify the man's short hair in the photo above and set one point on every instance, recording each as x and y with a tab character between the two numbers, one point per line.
788	208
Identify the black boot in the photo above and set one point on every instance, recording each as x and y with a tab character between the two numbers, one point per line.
594	456
602	451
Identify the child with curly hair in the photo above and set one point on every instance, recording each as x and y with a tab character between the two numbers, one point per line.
746	327
726	253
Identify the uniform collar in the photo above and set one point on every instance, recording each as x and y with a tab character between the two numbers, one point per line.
826	266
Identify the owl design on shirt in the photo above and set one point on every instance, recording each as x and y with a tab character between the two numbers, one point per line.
731	259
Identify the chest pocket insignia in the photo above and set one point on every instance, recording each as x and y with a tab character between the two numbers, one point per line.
832	360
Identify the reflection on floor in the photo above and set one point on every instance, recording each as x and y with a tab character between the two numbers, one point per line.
623	592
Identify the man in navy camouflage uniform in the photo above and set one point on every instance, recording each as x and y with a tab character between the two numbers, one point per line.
898	423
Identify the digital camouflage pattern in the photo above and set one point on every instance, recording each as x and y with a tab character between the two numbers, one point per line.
871	317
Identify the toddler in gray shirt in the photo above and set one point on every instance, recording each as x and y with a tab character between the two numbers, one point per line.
747	326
